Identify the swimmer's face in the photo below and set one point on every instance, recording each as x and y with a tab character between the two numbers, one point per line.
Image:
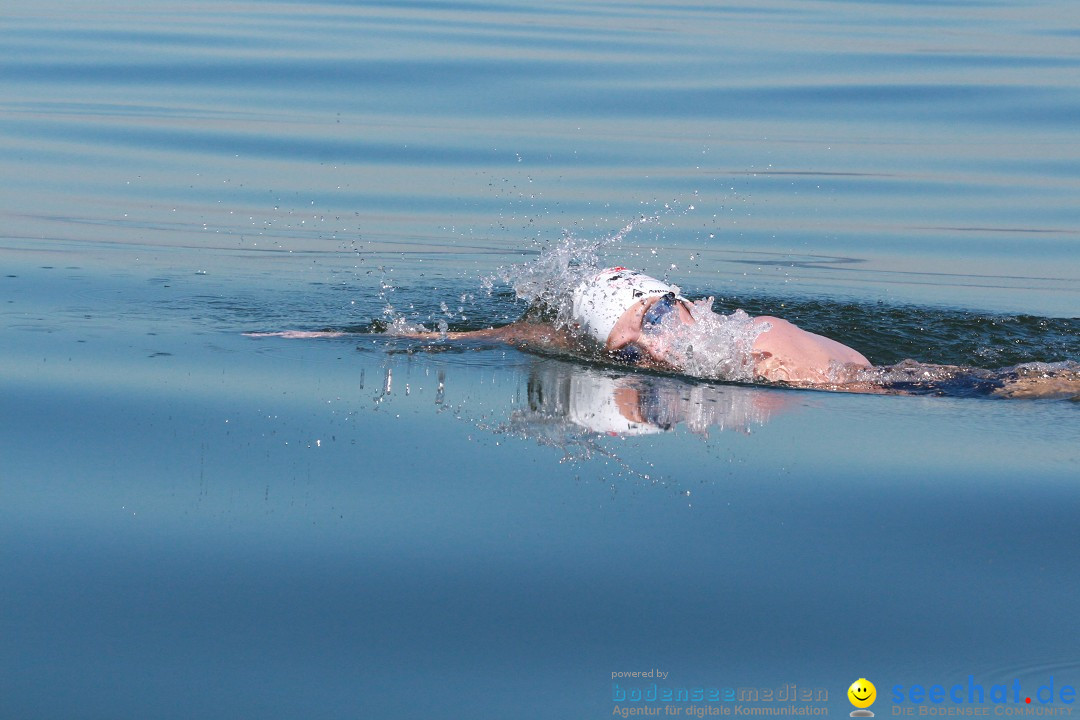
628	329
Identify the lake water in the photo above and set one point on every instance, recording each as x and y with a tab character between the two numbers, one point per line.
195	522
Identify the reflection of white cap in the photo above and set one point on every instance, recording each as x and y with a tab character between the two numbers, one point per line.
601	299
594	406
635	404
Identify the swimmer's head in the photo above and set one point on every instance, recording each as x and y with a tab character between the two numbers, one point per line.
601	299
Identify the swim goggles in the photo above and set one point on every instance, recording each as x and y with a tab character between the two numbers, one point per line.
667	304
650	324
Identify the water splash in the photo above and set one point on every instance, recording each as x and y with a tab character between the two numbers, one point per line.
715	347
546	283
399	325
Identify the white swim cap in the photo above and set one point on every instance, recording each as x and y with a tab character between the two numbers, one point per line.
601	299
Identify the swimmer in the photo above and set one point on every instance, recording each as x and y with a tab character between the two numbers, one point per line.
633	318
630	318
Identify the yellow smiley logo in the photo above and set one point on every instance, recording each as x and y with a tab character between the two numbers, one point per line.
862	693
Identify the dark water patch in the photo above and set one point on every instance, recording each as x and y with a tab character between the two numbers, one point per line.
888	334
166	40
442	74
983	229
1050	107
952	60
268	144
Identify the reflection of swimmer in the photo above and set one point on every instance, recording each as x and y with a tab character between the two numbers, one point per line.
602	402
591	400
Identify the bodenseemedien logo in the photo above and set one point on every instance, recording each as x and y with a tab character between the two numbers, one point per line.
862	695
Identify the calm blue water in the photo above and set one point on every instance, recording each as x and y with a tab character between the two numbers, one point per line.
197	523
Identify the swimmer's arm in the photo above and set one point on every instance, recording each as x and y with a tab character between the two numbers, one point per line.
520	333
